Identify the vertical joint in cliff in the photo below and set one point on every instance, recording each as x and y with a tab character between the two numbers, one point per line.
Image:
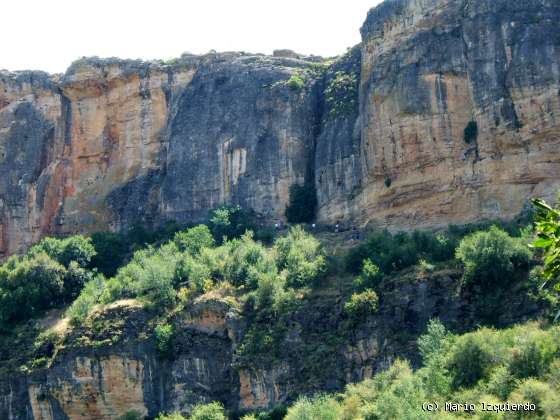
66	118
318	112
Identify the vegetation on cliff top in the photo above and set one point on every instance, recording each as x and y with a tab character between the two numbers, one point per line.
58	271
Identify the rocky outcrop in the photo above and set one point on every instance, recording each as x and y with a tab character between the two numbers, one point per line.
113	143
111	365
97	388
432	68
238	134
445	113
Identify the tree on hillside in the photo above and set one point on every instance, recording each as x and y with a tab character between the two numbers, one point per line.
492	258
303	204
548	239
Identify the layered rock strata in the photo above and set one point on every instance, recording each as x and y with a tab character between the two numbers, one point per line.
447	112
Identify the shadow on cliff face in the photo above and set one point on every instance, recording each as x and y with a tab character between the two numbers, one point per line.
26	141
238	134
137	202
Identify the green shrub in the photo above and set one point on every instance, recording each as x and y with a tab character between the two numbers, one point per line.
553	376
74	280
246	260
164	339
73	248
151	274
52	273
88	298
501	382
370	277
399	251
230	222
300	257
435	247
390	253
193	240
212	411
318	408
362	305
401	397
29	286
471	132
533	354
433	341
46	343
303	204
432	346
266	235
195	273
393	394
270	290
296	83
470	359
111	250
493	257
546	400
341	94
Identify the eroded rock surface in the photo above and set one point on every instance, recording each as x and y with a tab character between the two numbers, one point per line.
429	68
112	143
111	365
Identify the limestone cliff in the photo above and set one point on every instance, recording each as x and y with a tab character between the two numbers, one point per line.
380	131
112	143
431	67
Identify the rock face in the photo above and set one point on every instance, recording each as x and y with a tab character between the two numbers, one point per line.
380	131
113	143
111	365
429	67
238	135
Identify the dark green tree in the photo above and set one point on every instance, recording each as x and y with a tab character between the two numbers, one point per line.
492	257
303	204
230	221
111	250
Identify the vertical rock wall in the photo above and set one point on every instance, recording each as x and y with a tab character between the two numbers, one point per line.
429	67
238	135
380	131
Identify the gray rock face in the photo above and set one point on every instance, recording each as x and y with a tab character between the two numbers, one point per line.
337	161
379	131
238	134
27	147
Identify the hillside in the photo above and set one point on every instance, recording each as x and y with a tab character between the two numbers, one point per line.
189	320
